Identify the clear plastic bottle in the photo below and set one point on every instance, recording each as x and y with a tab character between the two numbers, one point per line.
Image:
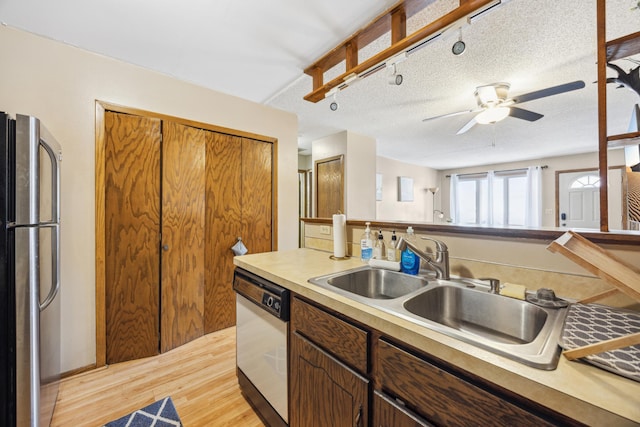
378	250
409	261
392	254
366	245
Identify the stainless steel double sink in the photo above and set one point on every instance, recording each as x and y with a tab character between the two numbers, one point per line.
460	308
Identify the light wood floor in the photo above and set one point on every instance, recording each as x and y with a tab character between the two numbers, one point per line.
199	376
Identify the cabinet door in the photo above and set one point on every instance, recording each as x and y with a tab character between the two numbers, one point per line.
132	223
324	392
223	226
387	413
183	216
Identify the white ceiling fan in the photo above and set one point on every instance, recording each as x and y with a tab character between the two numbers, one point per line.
493	104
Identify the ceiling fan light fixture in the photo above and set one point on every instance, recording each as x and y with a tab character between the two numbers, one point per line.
493	115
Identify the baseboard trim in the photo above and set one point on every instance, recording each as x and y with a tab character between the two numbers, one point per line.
77	371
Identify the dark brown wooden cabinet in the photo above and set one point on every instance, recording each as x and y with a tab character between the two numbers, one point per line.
388	413
325	390
444	398
177	197
332	377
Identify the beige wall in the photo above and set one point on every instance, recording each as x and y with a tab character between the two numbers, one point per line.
60	84
389	208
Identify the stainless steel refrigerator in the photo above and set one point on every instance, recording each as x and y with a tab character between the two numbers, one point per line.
29	272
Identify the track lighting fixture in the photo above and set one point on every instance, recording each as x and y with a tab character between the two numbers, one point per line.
459	46
395	79
334	104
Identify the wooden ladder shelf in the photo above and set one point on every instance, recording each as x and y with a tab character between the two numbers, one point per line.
623	277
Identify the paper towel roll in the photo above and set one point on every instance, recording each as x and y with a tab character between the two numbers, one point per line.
339	235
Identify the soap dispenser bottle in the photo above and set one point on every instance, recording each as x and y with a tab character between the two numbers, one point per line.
366	245
391	247
409	261
378	250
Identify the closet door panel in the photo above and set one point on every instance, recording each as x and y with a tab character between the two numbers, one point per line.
132	238
257	195
183	231
223	219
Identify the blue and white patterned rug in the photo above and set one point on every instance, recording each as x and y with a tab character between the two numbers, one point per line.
159	414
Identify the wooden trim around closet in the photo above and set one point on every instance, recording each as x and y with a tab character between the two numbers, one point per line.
101	320
100	108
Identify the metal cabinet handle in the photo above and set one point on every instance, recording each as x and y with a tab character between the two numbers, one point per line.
359	417
165	247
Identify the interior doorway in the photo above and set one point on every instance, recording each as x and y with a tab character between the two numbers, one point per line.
329	186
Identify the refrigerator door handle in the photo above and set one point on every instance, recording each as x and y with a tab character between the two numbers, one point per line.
55	276
54	153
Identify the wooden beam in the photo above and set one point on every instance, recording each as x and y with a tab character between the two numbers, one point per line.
380	25
351	54
601	35
429	30
398	25
623	47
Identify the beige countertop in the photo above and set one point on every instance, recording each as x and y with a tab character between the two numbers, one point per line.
580	391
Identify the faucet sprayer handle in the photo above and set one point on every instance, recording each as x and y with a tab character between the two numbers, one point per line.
494	284
440	246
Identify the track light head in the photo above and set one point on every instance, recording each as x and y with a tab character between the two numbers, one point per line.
395	79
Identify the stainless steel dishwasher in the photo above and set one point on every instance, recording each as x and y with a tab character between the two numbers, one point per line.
262	328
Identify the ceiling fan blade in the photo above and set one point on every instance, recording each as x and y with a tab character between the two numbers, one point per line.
554	90
457	113
527	115
471	123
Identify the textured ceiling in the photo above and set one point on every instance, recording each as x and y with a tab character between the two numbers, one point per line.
257	50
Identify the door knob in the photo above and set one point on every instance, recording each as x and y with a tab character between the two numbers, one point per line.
165	247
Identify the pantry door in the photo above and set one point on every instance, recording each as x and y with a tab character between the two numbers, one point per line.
183	234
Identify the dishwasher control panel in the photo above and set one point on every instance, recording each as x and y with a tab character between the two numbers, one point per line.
271	297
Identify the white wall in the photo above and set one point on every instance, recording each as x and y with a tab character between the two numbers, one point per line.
60	84
359	170
421	209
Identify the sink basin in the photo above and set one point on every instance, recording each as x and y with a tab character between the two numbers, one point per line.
486	315
460	308
372	283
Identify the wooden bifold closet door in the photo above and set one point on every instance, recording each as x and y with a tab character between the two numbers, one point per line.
241	207
132	238
176	199
183	219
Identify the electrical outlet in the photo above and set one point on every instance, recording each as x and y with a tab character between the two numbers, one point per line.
548	211
325	229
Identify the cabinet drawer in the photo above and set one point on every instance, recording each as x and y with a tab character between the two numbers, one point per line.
387	413
341	339
443	398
